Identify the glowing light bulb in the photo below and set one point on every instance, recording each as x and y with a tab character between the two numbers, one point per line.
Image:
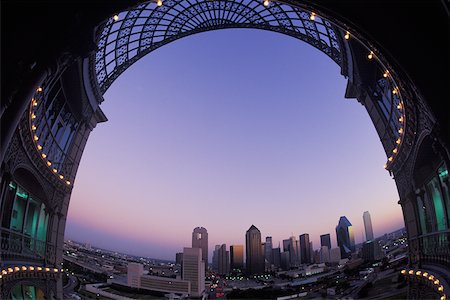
116	18
390	158
370	56
312	17
47	269
44	155
398	141
347	35
159	3
16	269
31	268
441	288
425	274
400	130
403	272
39	268
266	3
400	119
55	171
67	182
39	89
24	268
61	177
49	163
34	102
395	91
10	270
55	270
386	74
411	272
395	150
33	116
399	106
39	147
436	281
36	138
33	127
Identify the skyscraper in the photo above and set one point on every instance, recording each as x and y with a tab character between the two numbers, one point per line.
223	260
305	249
254	257
268	255
194	270
368	226
325	240
215	258
276	255
237	257
345	237
200	240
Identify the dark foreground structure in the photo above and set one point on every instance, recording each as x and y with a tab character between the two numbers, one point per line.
59	57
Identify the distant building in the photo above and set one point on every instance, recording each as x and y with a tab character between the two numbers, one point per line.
237	257
345	237
223	260
324	254
179	258
325	240
371	251
268	255
215	258
137	279
276	254
254	256
368	226
294	251
305	249
285	265
134	273
194	270
200	240
335	255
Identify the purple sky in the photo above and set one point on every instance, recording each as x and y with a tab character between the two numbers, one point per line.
223	130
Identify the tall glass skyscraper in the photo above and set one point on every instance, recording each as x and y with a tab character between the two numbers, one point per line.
254	256
200	240
237	257
368	226
325	240
345	237
305	249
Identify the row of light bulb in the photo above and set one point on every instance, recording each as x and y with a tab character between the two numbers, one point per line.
425	275
370	56
12	270
34	104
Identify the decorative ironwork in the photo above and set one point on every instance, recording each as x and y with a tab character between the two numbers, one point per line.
132	34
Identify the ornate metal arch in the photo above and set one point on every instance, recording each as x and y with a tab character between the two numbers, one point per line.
132	34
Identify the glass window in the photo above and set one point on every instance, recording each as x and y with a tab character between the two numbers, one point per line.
435	194
32	218
422	216
444	179
8	200
18	211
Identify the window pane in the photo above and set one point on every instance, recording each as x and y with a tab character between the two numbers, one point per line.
443	177
18	211
433	189
32	218
8	200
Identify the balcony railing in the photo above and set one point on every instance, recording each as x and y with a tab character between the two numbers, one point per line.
431	248
15	245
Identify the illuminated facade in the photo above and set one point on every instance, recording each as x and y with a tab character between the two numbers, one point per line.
52	89
254	257
237	257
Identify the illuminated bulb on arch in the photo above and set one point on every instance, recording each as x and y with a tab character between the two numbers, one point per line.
159	3
400	130
67	182
398	141
33	127
403	272
31	268
10	270
39	147
116	17
399	106
370	56
36	138
425	274
34	102
313	16
390	158
443	297
39	268
39	89
411	272
61	177
385	166
55	270
33	116
24	268
347	35
441	288
47	269
49	163
395	91
44	155
386	74
16	269
436	281
395	151
55	171
266	3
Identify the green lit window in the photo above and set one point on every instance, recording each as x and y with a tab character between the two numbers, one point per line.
18	211
26	292
444	179
435	194
422	215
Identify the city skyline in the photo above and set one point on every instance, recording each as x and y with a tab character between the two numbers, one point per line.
258	128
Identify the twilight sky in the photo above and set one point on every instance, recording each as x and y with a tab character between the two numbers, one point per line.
223	130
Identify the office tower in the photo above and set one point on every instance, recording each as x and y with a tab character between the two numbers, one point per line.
345	237
368	226
325	240
194	270
276	255
223	260
311	251
324	254
285	264
215	258
305	249
200	240
335	255
268	255
179	258
237	257
371	251
254	257
134	273
286	245
294	251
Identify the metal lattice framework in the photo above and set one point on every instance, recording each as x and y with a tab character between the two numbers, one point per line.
132	34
